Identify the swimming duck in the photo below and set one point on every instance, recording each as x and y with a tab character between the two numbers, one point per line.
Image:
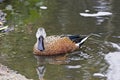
56	44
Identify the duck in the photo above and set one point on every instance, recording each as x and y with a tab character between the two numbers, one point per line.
56	44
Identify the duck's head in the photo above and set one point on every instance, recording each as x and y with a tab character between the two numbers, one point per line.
40	35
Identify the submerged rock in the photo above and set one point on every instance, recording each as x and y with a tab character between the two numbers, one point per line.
2	16
7	74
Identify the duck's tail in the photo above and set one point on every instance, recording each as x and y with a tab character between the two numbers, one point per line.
82	40
79	40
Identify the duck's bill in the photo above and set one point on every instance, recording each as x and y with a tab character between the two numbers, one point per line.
41	43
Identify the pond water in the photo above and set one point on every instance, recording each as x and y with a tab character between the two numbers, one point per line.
98	58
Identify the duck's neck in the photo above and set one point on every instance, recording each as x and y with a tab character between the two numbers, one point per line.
40	42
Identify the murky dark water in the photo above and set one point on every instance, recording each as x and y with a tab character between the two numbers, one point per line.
92	62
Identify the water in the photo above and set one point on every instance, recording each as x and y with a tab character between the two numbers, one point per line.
94	61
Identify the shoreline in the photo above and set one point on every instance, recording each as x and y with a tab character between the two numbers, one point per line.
8	74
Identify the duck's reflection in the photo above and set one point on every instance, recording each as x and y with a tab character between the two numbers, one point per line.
41	71
43	60
57	59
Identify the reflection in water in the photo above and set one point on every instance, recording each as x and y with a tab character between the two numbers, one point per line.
43	60
61	59
41	72
113	59
102	6
102	10
2	17
98	14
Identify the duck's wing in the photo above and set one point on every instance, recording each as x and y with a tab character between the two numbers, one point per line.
77	39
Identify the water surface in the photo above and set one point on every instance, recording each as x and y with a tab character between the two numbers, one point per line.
62	17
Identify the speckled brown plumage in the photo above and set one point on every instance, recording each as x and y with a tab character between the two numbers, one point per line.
56	45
